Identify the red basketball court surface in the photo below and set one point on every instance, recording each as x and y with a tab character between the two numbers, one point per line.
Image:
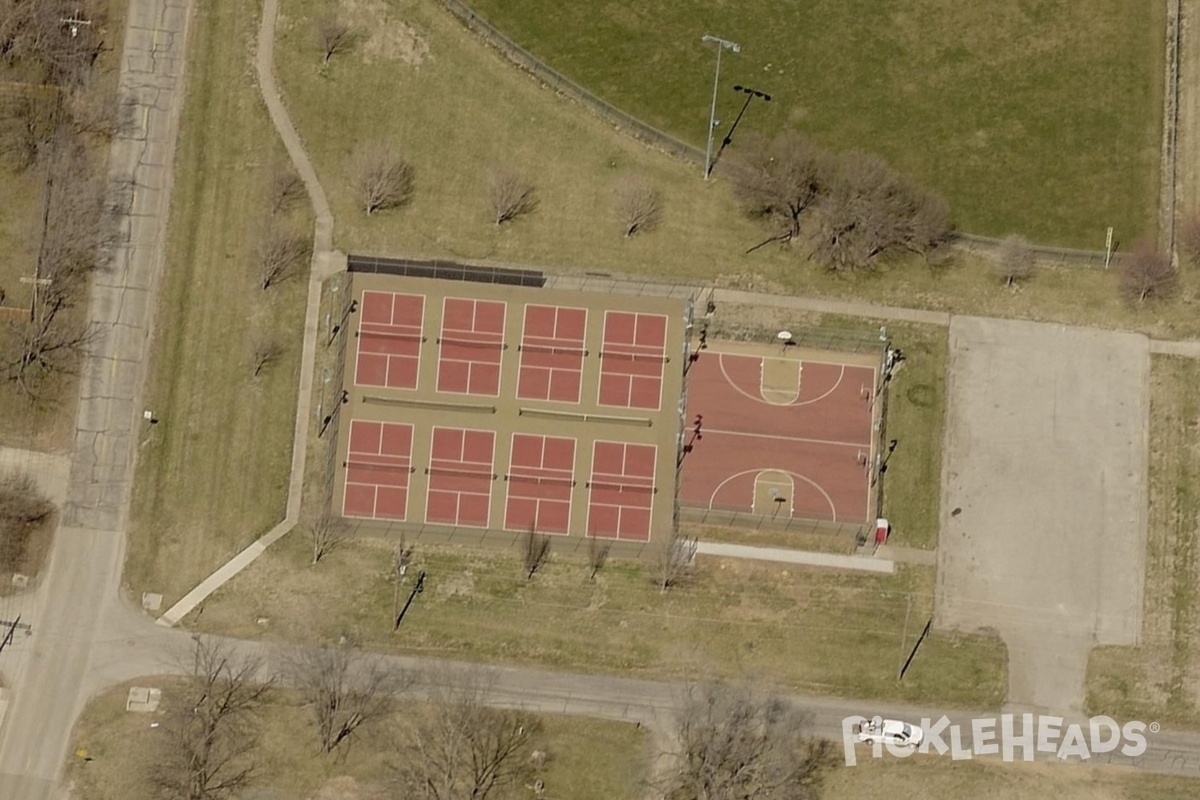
781	433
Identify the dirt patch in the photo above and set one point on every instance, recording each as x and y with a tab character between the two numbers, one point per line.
383	37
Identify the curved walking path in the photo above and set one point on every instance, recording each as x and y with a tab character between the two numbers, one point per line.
326	262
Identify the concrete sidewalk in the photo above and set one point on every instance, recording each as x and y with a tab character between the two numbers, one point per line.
804	557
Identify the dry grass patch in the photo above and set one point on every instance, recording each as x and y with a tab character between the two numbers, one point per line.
587	759
1160	680
212	475
806	630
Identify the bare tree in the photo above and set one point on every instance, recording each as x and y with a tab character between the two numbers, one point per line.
384	179
77	236
27	123
24	510
870	209
208	752
597	555
286	189
676	554
402	556
1014	259
462	748
326	533
1189	237
36	36
333	36
1147	274
509	195
346	691
638	206
537	550
778	179
267	350
735	744
281	253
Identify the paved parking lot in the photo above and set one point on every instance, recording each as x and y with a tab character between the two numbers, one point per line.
1044	496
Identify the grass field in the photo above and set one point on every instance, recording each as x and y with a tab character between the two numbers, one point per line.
934	777
805	630
453	106
1043	118
587	759
1158	680
212	476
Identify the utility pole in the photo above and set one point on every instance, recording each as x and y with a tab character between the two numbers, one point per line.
12	629
722	44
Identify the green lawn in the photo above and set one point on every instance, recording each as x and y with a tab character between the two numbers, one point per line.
212	475
587	759
1039	117
453	106
1157	680
802	629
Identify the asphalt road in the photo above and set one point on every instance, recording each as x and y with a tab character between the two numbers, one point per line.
72	610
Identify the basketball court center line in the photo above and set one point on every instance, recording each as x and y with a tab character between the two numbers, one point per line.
706	431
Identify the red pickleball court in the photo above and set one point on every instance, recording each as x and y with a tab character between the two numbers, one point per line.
389	340
460	477
471	346
621	490
552	352
540	479
632	360
378	467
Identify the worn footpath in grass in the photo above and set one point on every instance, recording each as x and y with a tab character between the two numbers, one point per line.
805	630
1158	680
586	759
933	776
453	106
1014	112
212	475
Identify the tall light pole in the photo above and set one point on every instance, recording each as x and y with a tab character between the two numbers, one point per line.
722	44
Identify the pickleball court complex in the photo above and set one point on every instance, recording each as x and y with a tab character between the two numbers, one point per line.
480	406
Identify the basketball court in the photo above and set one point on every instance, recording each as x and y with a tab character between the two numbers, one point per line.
780	431
486	407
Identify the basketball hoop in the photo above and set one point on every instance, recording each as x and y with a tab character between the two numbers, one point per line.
784	338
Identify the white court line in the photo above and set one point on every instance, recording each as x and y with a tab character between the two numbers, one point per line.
764	401
704	431
832	508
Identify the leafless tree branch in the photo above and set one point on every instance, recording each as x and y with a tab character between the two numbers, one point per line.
1014	260
384	179
208	753
638	206
597	555
537	550
286	190
735	744
281	253
333	36
267	350
346	691
326	533
1147	274
778	179
509	195
463	748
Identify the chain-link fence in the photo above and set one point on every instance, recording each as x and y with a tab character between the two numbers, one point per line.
566	86
728	517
